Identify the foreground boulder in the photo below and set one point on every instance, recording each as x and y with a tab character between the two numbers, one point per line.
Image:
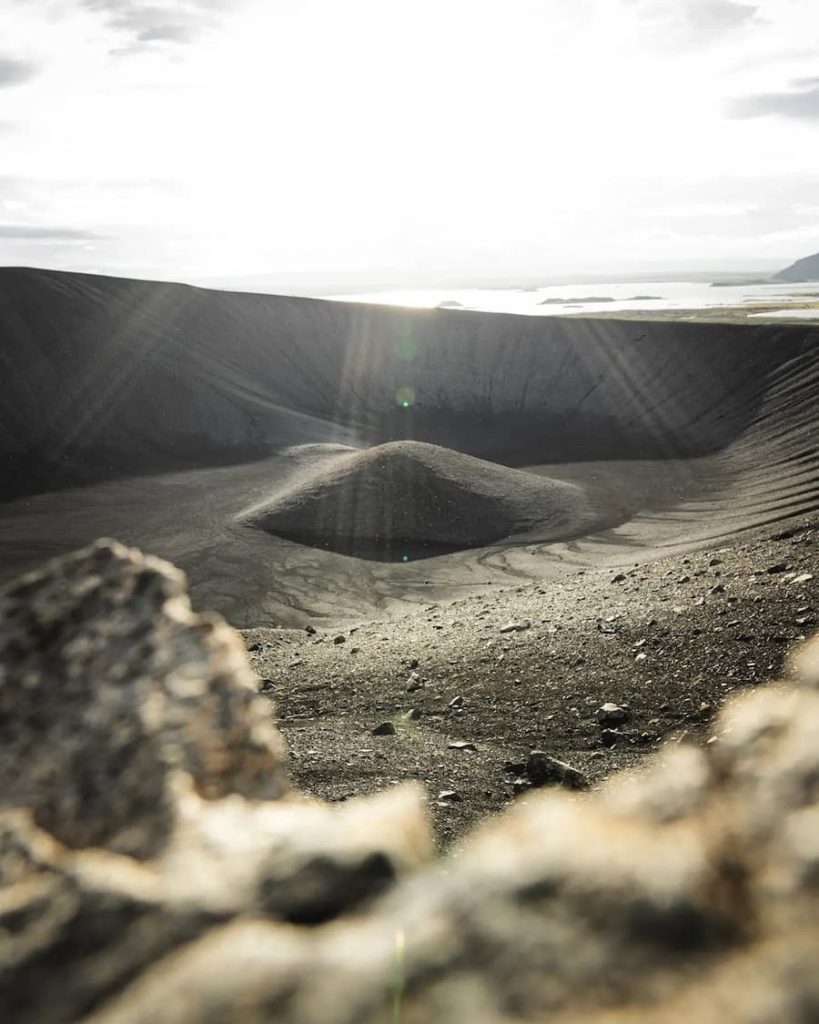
688	891
109	687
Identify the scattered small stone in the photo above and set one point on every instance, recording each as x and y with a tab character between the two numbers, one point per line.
719	588
514	767
619	578
684	579
449	796
340	639
414	683
777	567
311	630
414	663
355	650
609	737
254	647
456	702
516	627
385	729
544	770
803	577
266	685
463	745
413	715
715	561
612	714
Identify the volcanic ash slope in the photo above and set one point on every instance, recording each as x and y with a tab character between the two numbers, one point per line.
419	494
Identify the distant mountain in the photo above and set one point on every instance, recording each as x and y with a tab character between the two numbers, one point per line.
806	269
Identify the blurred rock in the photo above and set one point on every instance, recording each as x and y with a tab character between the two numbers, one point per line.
684	891
109	685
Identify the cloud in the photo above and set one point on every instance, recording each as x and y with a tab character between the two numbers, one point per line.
686	211
802	104
40	233
694	21
686	24
719	16
15	72
165	34
145	24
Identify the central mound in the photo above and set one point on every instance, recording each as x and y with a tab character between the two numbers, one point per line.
407	499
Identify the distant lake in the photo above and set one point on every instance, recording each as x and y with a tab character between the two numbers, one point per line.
562	300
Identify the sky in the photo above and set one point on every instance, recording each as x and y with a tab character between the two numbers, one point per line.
258	143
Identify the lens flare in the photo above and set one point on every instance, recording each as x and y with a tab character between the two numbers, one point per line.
405	398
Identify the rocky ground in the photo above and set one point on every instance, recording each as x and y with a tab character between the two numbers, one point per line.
459	695
156	865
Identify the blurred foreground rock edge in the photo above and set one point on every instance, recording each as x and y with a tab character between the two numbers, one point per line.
155	867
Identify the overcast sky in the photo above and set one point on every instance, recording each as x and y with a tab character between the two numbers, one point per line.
240	140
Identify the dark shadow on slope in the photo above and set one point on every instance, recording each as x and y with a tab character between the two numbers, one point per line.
378	549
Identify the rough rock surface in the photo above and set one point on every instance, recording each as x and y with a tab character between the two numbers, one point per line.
686	891
109	687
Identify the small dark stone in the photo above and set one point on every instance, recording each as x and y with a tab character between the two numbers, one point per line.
340	639
612	714
266	685
609	737
254	647
385	729
543	770
777	567
310	629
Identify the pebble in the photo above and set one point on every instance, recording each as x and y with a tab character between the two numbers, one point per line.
385	729
456	702
464	745
612	714
414	683
544	770
449	796
340	639
516	627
